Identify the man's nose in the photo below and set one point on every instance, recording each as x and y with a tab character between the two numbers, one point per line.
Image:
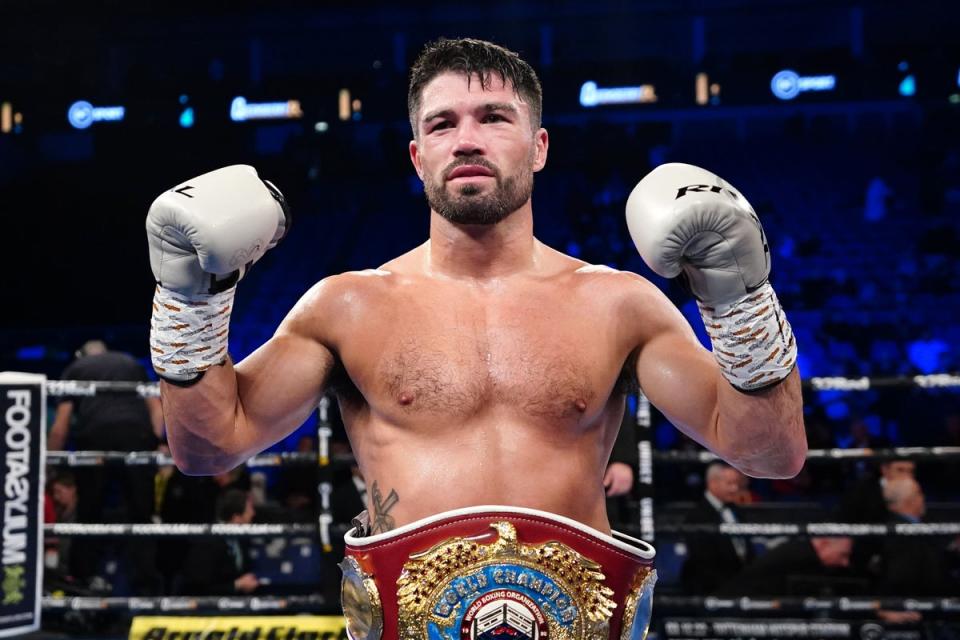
469	139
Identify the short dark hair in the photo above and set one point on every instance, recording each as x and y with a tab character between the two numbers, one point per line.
231	502
473	57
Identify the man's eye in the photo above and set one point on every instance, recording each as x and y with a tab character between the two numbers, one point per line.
494	117
441	125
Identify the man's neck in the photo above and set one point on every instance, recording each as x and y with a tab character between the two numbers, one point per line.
483	251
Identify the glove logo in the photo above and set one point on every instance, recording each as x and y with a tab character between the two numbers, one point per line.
705	188
183	190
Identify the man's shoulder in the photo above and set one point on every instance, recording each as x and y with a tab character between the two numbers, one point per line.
615	282
348	288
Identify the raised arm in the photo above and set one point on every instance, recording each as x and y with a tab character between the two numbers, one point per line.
743	401
759	432
203	237
236	411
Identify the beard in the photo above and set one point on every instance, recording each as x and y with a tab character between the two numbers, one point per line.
469	204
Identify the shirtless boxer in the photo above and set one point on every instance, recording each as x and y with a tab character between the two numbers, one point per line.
482	367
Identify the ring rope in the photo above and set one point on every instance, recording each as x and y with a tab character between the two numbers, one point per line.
239	604
856	529
661	602
149	529
157	458
805	604
853	529
90	388
830	455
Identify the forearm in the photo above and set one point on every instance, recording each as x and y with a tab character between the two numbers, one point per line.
204	421
761	433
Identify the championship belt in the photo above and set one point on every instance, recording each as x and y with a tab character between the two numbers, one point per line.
492	572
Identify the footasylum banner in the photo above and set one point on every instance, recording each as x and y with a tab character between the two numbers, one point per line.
22	440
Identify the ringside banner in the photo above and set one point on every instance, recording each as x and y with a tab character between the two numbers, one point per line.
238	628
22	441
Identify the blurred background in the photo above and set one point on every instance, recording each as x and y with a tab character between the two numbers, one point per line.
840	122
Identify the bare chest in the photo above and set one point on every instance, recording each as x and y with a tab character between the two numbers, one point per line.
460	361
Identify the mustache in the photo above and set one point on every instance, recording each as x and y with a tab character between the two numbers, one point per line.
477	161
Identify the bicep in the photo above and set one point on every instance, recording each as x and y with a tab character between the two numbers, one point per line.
679	376
280	383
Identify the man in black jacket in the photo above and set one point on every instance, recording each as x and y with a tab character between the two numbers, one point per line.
219	566
712	559
913	566
804	566
111	422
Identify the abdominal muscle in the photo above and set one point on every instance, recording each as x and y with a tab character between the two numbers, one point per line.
415	473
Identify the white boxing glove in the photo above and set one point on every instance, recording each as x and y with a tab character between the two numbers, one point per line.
203	236
205	233
685	221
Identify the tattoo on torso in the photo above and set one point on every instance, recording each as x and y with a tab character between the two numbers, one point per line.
382	520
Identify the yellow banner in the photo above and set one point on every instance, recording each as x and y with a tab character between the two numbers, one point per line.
238	628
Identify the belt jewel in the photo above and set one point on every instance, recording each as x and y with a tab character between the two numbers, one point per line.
462	589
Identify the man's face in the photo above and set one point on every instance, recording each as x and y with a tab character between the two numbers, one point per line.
834	552
913	503
725	485
917	503
898	469
475	149
64	496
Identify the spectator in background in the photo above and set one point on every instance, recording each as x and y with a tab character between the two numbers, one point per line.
864	502
860	437
713	558
220	565
298	486
192	499
912	566
63	496
803	566
111	422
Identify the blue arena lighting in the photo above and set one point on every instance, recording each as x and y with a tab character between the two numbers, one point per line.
186	118
34	352
788	84
82	114
908	86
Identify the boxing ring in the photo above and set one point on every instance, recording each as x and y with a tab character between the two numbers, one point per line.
674	615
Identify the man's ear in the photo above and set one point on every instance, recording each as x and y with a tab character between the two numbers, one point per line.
415	158
542	144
